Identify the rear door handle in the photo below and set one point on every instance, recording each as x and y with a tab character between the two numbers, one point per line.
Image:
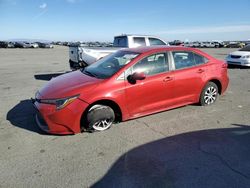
167	79
201	71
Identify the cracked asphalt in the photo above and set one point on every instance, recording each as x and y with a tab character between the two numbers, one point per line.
191	146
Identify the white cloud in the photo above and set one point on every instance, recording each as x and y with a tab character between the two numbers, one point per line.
44	9
43	6
208	29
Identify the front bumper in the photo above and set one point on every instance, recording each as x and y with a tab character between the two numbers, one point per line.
241	62
77	65
41	123
64	121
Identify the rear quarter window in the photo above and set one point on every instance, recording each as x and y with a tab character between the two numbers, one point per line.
154	41
199	59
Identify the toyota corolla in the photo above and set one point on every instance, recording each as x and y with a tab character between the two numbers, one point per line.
129	84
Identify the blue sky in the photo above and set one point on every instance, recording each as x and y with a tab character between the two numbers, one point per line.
91	20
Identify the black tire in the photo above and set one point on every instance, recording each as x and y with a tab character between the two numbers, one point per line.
209	94
100	118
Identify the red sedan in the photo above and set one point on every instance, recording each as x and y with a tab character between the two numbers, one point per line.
128	84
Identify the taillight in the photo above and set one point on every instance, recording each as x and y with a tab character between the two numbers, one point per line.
224	65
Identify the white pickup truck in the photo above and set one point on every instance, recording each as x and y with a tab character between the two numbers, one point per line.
80	56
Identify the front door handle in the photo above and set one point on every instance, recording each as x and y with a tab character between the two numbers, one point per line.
201	71
167	79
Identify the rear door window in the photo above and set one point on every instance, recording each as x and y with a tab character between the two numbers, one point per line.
183	59
139	41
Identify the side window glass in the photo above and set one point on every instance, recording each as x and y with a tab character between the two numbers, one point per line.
154	41
139	41
199	59
183	59
121	42
152	64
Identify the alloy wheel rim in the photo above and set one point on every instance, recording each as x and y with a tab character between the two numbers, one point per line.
210	95
102	125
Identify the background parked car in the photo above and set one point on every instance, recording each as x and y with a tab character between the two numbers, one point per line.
11	45
202	45
235	45
45	45
66	43
22	45
240	57
27	45
176	43
80	57
218	44
195	44
34	45
58	43
208	44
3	44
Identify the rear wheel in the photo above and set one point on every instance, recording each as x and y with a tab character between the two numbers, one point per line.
209	94
100	117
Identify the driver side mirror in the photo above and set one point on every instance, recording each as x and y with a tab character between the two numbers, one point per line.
136	76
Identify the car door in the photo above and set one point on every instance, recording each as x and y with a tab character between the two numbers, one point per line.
155	91
189	76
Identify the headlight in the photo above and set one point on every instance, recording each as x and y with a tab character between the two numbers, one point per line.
246	56
60	103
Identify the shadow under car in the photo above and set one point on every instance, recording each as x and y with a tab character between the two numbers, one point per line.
23	116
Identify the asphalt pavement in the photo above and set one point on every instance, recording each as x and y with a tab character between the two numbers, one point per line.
191	146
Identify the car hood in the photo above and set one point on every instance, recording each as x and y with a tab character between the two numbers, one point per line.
241	53
67	85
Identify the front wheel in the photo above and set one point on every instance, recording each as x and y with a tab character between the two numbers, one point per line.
100	117
209	94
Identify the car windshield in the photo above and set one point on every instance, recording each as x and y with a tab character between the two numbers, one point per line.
246	48
109	65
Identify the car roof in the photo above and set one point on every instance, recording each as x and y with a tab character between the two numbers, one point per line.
156	49
136	35
146	49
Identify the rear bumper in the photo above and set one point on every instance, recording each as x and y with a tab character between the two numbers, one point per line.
61	122
225	83
77	65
